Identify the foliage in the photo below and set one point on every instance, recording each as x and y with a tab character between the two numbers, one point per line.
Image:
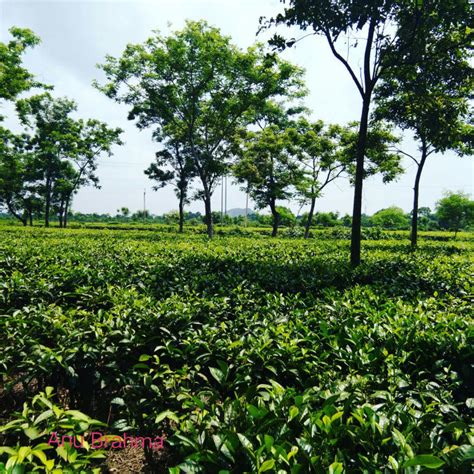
267	165
428	92
63	152
14	78
249	353
455	211
390	218
27	437
196	88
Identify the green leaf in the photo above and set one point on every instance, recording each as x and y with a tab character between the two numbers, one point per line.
425	460
217	374
43	416
8	450
32	432
42	457
22	453
245	442
336	468
267	465
293	412
268	441
167	414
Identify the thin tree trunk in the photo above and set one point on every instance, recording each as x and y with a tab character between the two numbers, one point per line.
48	202
66	210
29	212
20	218
359	179
181	212
310	218
416	192
276	218
61	213
208	214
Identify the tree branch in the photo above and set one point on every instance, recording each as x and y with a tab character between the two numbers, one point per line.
343	61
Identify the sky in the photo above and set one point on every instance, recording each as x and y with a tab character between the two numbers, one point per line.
77	35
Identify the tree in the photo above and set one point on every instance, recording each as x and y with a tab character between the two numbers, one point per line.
90	140
429	91
287	218
14	78
455	211
326	219
427	220
320	160
13	174
268	167
390	218
57	138
180	176
141	215
197	88
381	27
124	211
50	123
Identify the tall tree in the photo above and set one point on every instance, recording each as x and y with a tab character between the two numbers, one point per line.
13	174
268	167
429	94
320	159
50	123
15	79
181	173
197	86
90	139
327	154
380	29
56	138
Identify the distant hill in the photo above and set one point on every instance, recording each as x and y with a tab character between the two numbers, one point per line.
237	211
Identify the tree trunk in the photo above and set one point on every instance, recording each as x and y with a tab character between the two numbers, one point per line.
181	212
359	179
66	210
310	218
416	189
20	218
208	214
61	213
276	218
47	207
29	213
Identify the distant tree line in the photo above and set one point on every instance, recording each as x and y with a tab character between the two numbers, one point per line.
454	212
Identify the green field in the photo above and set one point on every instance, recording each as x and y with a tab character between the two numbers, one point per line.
249	354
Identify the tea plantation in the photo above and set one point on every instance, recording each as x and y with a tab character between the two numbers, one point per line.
249	354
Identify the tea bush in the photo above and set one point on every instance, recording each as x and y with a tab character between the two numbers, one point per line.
250	354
